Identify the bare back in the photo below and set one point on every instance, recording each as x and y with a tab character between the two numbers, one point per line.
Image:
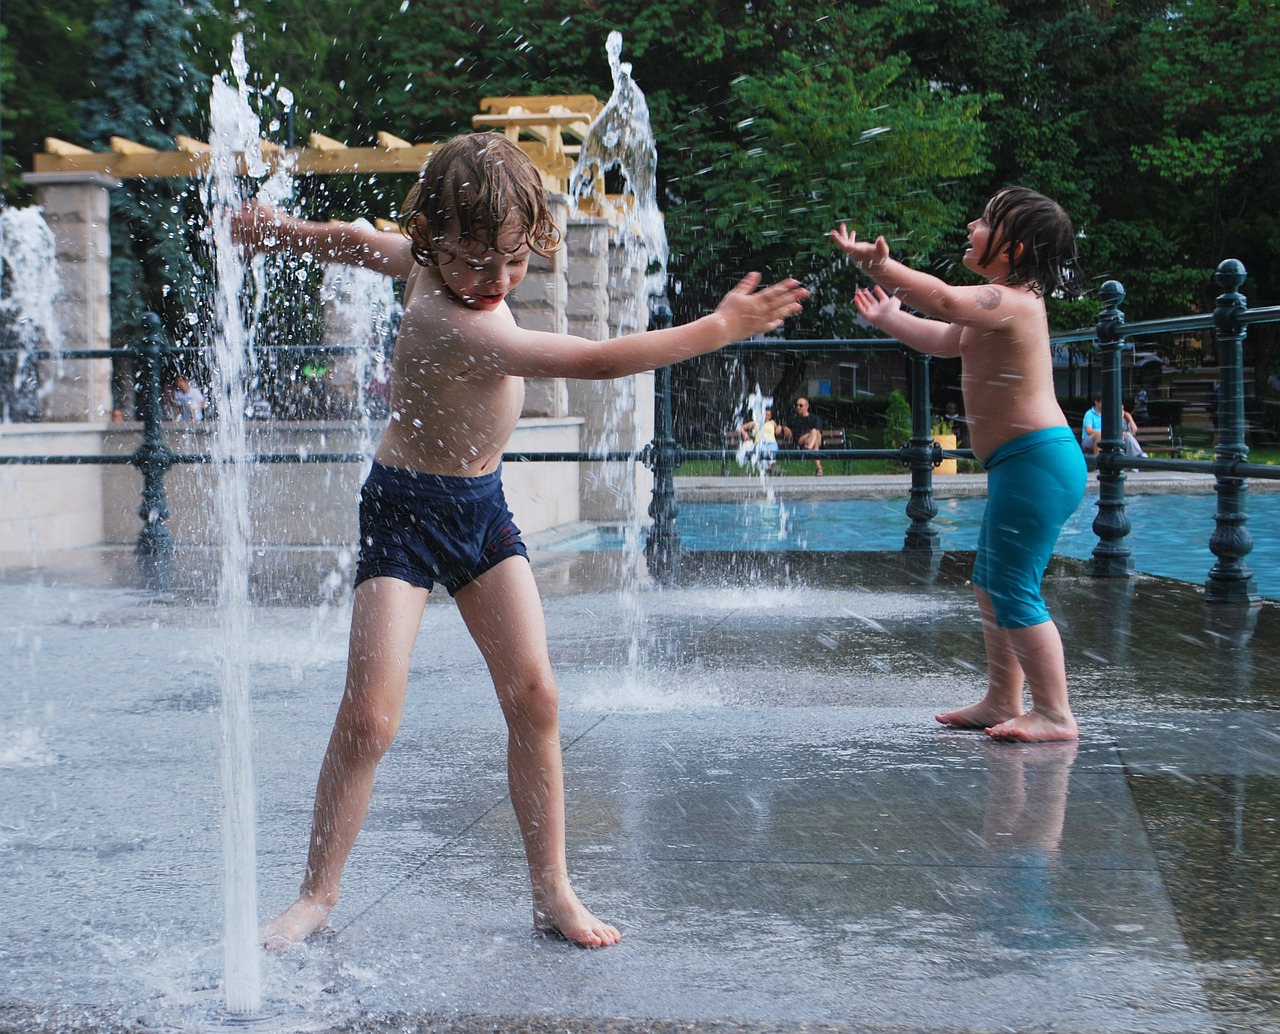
1007	372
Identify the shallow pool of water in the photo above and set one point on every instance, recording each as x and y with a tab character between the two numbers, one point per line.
1170	535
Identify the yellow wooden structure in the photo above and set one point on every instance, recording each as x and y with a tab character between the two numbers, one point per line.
549	129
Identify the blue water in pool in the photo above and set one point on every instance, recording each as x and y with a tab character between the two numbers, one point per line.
1169	536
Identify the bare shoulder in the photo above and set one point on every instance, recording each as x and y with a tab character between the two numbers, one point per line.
415	283
998	309
434	320
990	297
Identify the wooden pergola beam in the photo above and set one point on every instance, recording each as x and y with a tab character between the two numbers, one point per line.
545	118
582	102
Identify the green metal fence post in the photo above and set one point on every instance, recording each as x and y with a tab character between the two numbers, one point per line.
1111	556
154	550
1230	579
662	548
921	454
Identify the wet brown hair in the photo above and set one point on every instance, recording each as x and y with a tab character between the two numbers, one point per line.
1047	260
478	182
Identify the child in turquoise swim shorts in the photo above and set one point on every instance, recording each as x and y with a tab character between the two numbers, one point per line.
1023	245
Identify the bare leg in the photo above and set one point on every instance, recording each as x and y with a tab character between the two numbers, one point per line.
1039	651
504	614
813	442
1004	677
385	617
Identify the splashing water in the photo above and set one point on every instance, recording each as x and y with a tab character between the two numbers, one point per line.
234	131
360	309
620	141
29	253
755	404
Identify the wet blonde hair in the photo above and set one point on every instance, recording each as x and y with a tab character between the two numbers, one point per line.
478	184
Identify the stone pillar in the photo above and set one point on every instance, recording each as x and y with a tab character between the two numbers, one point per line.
606	283
540	304
77	208
586	250
587	260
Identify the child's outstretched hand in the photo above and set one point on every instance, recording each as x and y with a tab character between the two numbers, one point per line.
863	253
875	306
747	311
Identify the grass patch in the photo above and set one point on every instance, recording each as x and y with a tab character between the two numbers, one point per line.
858	438
1197	444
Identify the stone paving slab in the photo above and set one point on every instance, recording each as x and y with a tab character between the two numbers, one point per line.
761	802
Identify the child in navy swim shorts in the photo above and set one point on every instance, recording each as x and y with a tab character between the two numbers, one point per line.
428	528
432	508
1023	245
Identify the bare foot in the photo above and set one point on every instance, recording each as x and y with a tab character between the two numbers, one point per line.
1034	727
976	716
559	912
295	924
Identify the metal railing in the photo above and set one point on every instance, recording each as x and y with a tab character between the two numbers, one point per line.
1229	581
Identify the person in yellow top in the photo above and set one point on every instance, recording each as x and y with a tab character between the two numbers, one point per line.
765	435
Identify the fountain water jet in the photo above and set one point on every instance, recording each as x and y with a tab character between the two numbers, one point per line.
360	309
234	131
31	284
620	142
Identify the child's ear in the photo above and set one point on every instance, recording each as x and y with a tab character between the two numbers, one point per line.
420	234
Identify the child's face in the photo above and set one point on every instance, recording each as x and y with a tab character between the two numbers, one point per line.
980	233
479	276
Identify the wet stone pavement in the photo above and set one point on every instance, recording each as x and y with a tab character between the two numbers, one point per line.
758	797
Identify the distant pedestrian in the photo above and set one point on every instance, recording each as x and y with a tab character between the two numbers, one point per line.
189	401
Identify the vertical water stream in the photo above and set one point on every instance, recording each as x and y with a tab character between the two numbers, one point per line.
619	148
234	132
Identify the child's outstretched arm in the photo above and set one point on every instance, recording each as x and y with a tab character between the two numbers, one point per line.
984	307
260	227
885	311
495	341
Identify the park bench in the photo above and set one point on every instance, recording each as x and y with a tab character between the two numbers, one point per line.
834	438
1159	440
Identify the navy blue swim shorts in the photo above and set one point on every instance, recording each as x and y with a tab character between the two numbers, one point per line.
424	528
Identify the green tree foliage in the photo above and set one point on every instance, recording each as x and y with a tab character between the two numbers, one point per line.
897	430
1149	121
819	143
1065	112
147	89
45	59
1214	76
